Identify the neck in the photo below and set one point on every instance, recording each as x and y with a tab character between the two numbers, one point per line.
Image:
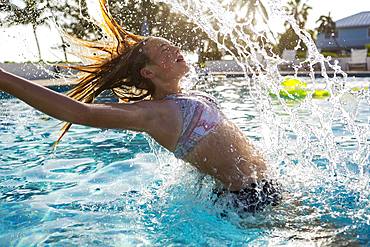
161	92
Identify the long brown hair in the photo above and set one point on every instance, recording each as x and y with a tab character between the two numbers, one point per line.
115	66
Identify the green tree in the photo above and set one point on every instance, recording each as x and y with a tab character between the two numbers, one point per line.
163	22
51	6
299	11
246	14
289	39
73	17
131	15
327	27
31	12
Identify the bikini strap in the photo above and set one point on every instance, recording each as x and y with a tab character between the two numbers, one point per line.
207	97
187	108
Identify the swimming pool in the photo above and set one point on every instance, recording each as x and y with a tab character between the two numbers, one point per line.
119	188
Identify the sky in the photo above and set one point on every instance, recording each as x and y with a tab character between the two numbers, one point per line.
17	44
338	9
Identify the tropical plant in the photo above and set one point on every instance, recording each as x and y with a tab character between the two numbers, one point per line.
163	22
247	15
367	46
56	18
249	10
73	17
299	11
25	12
289	39
327	27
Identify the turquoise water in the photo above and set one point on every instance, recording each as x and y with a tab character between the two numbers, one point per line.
119	188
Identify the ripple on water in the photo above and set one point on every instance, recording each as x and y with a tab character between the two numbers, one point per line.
74	166
28	189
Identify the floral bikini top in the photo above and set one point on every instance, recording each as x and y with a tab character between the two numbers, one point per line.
200	115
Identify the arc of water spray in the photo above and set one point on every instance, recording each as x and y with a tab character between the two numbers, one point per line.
204	13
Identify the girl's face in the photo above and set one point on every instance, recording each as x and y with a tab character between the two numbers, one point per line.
167	63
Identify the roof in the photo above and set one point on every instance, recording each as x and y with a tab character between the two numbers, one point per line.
358	20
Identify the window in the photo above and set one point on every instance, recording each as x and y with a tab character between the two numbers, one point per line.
368	32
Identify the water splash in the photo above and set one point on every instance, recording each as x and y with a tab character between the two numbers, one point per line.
211	17
302	139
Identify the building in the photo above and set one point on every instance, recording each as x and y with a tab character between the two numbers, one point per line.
351	32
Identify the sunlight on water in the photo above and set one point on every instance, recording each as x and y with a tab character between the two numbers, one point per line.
101	185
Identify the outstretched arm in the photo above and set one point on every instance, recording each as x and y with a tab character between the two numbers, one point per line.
43	99
133	116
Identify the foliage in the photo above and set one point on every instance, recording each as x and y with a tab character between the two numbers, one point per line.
289	39
177	28
333	54
299	12
367	46
26	12
327	26
329	54
301	54
161	21
72	16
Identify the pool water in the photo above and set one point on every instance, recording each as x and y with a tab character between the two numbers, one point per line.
119	188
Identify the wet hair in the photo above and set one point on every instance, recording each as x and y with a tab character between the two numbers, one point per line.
115	66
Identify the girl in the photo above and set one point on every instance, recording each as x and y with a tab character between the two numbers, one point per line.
144	73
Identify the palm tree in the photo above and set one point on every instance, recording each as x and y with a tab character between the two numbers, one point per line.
33	13
299	11
250	9
289	39
56	20
327	26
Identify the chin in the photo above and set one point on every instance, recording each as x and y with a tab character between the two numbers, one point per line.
187	68
180	71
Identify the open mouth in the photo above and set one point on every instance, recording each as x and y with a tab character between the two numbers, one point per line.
180	59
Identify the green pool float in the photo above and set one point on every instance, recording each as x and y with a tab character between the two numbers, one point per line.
357	89
295	89
320	94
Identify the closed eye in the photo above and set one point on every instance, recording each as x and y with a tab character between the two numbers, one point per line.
167	48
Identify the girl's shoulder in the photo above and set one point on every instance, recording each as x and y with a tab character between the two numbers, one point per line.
190	99
205	96
191	95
